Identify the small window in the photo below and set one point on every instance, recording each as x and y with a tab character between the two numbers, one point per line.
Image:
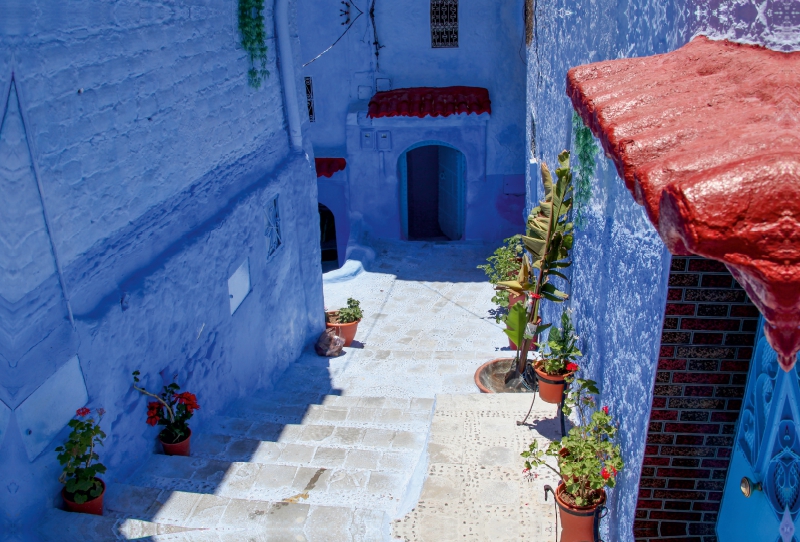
444	23
310	99
272	227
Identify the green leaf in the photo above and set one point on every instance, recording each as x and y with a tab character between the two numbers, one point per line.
516	321
535	246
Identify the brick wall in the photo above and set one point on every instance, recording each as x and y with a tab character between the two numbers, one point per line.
706	346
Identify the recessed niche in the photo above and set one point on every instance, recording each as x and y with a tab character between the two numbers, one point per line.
239	285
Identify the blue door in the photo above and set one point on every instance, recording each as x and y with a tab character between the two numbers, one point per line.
451	198
766	456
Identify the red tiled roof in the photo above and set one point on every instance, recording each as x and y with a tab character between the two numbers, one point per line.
422	101
707	139
326	167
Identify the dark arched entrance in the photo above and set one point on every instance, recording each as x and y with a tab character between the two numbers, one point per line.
432	192
327	239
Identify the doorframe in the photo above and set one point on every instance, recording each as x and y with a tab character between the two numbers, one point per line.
402	176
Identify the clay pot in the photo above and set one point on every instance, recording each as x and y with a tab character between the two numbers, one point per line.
578	524
92	506
179	448
346	331
551	388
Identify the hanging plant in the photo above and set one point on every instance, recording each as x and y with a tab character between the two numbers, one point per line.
585	150
251	27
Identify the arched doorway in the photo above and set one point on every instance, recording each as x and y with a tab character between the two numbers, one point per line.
432	192
327	239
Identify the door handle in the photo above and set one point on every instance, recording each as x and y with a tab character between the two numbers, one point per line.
748	486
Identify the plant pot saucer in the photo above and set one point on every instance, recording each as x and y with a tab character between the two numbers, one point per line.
490	377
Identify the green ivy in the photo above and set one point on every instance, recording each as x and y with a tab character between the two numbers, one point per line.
585	151
251	27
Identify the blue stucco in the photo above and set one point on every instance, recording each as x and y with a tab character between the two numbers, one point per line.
140	169
620	272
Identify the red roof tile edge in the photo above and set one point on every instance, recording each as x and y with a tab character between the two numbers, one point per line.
423	101
326	167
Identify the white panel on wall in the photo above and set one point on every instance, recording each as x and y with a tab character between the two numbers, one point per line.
47	410
239	285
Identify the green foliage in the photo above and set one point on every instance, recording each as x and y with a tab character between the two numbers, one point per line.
251	27
586	149
171	409
588	456
561	348
79	460
504	264
350	313
517	323
548	242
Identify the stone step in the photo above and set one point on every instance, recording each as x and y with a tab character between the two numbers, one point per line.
136	513
319	445
398	419
315	434
312	484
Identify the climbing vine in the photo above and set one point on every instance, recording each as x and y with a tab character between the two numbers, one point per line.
251	27
585	151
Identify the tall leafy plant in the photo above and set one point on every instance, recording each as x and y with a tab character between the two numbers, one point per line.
548	242
251	27
503	265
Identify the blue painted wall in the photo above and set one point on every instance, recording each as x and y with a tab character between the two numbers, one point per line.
621	266
136	167
491	54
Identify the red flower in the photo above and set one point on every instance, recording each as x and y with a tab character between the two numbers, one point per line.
614	470
572	367
82	411
605	409
535	296
605	474
153	412
189	400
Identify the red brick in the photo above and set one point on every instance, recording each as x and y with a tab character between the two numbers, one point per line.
705	365
688	451
645	528
708	295
685	462
716	463
659	402
680	309
712	310
706	265
674	494
706	506
671	364
666	352
675	337
701	378
640	514
645	493
686	440
677	505
648	472
670	323
653	482
681	484
675	294
739	366
704	428
698	391
708	338
723	416
684	279
744	311
745	353
702	474
678	264
655	461
676	516
705	352
651	450
716	281
666	528
669	415
654	427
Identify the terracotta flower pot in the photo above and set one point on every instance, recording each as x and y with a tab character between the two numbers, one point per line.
551	387
578	523
92	506
178	448
347	331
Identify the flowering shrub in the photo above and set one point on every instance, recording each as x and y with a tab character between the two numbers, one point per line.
588	457
170	409
79	459
561	351
504	264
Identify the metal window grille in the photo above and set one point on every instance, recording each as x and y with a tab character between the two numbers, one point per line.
444	23
272	229
310	99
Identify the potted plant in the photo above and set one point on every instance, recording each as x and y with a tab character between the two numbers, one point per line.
83	491
345	320
588	460
505	264
557	361
548	242
173	410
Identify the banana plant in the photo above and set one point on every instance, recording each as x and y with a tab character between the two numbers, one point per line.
548	241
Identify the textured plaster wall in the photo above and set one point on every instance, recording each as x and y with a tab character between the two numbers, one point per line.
136	166
621	268
491	54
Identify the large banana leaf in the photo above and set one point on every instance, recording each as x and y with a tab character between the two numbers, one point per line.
516	321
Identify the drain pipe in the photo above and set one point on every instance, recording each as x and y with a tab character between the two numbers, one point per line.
286	60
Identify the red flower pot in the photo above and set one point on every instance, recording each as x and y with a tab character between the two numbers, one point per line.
92	506
578	522
551	387
178	448
346	331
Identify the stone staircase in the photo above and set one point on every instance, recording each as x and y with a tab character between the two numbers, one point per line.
304	465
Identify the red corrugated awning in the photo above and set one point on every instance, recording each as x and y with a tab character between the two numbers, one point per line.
707	139
326	167
422	101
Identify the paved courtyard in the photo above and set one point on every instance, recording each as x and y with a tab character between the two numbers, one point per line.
389	441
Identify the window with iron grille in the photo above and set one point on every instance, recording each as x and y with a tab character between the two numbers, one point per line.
444	23
310	99
272	226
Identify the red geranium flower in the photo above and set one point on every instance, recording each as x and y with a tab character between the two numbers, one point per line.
605	474
189	400
614	470
535	296
605	409
153	412
82	411
572	367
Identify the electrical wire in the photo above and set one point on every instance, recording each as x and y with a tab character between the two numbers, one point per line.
360	13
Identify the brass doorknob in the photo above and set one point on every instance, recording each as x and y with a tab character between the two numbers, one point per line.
748	486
